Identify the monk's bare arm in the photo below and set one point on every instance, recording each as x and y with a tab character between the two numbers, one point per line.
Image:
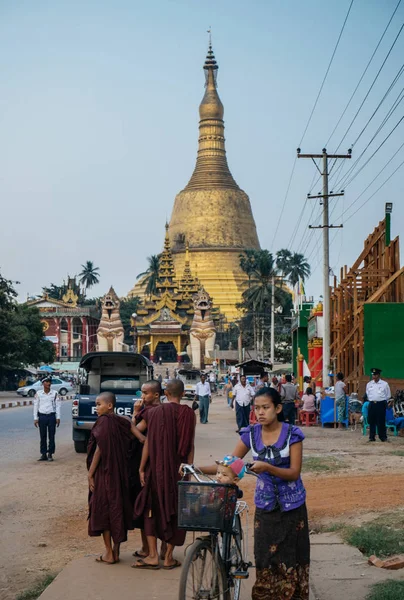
143	462
94	464
138	429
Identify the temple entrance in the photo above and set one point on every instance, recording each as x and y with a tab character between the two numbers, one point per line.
167	352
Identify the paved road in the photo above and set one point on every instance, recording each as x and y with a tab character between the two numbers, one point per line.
19	439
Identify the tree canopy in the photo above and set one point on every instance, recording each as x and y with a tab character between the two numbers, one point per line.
89	275
22	340
151	274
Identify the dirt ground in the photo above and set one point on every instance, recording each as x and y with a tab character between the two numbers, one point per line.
43	506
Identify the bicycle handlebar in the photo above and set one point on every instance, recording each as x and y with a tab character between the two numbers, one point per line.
190	470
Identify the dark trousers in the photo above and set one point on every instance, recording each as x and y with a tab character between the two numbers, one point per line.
47	427
203	408
242	415
289	412
377	418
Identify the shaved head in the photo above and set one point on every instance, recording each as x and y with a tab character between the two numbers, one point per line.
155	385
175	387
108	398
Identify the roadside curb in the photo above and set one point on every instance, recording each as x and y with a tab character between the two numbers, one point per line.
15	403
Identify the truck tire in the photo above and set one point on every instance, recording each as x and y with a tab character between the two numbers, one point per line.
80	447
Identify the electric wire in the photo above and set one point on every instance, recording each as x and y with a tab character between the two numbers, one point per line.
364	73
343	182
378	189
326	73
375	152
371	87
311	116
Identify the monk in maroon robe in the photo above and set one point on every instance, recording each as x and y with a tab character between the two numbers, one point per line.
110	507
170	442
151	394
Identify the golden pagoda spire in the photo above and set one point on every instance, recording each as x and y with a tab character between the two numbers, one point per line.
166	277
188	284
211	170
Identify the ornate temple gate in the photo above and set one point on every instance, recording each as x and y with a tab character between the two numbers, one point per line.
375	277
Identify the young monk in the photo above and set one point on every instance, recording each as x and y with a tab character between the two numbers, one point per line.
169	442
110	507
151	394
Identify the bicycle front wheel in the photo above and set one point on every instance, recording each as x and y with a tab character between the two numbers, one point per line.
203	576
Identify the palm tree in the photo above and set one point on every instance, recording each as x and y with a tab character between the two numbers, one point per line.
248	261
258	296
151	274
89	275
283	260
298	268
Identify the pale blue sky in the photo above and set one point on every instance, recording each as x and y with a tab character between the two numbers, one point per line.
99	123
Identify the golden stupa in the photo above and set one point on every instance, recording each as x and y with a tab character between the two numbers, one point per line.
212	215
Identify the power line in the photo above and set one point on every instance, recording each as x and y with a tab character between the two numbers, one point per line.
373	180
379	188
376	151
364	72
348	174
371	87
284	203
326	73
393	83
310	117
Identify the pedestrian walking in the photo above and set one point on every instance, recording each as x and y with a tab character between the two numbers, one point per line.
262	382
170	442
289	395
340	400
203	396
243	395
47	417
378	393
228	389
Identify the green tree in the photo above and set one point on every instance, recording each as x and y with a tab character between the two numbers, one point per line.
55	291
282	261
22	340
299	268
151	274
89	275
126	310
248	262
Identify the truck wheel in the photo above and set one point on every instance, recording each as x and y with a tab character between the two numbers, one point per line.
80	447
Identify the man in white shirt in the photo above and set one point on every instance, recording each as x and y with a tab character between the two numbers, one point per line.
378	393
47	417
243	395
203	396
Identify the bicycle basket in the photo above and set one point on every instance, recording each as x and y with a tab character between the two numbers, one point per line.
206	506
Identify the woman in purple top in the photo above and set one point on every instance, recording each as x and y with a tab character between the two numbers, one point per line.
281	533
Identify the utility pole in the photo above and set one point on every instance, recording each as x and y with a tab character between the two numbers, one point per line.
326	251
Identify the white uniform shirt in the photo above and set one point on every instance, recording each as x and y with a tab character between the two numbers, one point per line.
243	395
46	403
378	391
202	389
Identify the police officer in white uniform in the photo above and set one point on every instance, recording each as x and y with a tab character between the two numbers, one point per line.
47	417
378	393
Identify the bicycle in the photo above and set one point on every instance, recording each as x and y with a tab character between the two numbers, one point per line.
216	563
